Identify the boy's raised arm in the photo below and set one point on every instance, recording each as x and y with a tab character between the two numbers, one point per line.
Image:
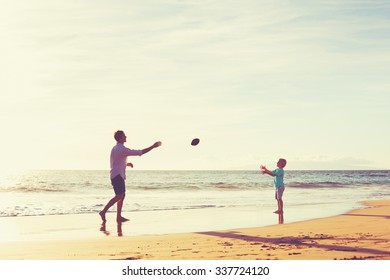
264	170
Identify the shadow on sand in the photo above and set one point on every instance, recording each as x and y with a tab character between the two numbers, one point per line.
301	241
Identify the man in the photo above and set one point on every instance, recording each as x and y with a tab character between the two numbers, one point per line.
118	163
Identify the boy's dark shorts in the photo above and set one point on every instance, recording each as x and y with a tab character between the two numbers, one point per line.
119	185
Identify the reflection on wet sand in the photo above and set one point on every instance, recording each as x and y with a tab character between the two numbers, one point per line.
119	229
103	227
281	218
104	230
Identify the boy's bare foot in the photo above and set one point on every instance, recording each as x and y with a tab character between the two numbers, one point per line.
103	216
278	212
122	220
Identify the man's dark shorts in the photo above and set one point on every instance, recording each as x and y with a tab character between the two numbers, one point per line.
119	185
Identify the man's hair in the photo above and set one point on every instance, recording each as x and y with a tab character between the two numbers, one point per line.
118	134
283	161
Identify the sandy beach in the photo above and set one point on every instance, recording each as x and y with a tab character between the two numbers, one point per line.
360	234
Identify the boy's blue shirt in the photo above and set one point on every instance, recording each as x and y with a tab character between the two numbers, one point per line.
278	179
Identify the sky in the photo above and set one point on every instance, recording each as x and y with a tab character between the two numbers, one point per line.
255	80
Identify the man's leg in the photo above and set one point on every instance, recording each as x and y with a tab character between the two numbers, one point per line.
119	217
108	206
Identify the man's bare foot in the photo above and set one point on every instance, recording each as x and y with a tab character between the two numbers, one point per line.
103	216
122	220
278	212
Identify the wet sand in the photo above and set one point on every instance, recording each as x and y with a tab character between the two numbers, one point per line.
360	234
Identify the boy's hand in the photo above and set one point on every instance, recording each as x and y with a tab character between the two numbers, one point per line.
130	164
262	167
157	144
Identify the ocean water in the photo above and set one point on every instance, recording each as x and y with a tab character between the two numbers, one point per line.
309	193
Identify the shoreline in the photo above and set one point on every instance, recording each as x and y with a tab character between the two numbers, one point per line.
157	222
359	234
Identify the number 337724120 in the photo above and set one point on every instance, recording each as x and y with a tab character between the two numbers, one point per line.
239	270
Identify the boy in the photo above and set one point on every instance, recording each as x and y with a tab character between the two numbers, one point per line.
278	175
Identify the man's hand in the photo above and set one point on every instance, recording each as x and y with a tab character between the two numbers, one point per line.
130	164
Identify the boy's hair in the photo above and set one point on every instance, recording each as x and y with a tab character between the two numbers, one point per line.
118	134
283	161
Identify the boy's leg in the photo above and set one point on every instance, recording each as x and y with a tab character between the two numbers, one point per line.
278	196
280	206
277	203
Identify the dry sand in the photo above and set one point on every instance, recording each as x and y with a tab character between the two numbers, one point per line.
359	234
